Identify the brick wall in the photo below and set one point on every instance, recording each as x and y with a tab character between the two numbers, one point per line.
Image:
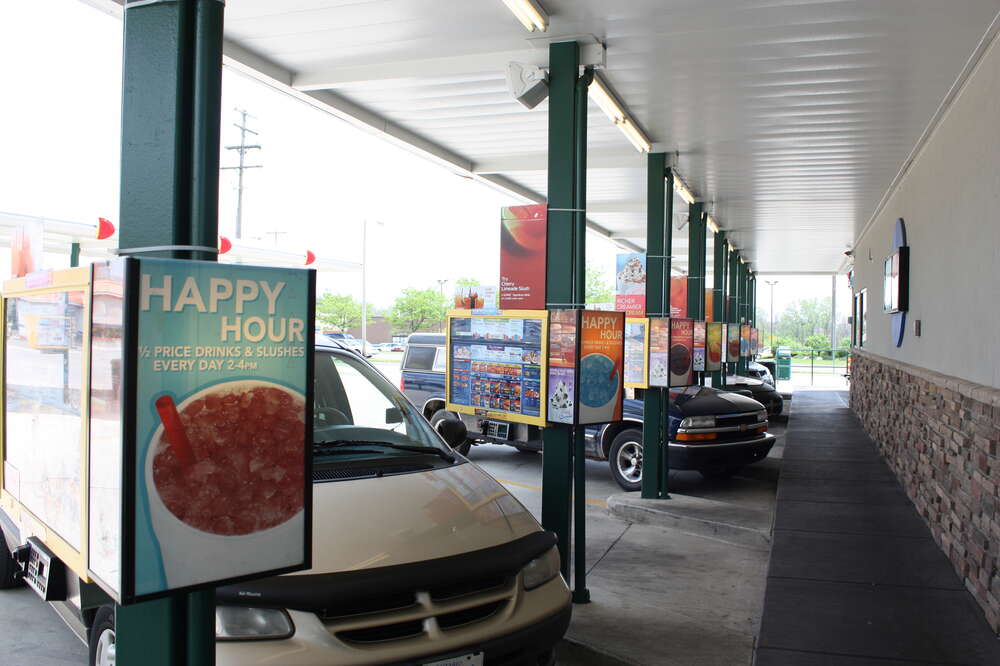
940	436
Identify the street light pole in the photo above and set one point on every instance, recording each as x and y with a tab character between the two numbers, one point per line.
364	270
771	284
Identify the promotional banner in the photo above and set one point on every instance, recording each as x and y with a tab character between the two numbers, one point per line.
681	352
222	422
497	366
602	363
522	257
26	249
745	340
714	346
630	284
563	331
659	352
709	301
698	356
678	296
636	352
480	297
753	341
733	343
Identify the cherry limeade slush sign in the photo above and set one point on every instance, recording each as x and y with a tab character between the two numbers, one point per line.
223	379
522	257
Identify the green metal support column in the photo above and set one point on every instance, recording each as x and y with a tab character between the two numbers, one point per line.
581	595
74	255
696	260
171	88
719	292
557	466
734	296
741	366
659	237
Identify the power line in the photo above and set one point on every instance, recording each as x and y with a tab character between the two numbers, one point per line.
242	149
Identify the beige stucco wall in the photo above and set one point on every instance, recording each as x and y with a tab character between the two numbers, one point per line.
950	201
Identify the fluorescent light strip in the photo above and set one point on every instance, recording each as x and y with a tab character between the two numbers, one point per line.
683	190
604	98
712	225
529	13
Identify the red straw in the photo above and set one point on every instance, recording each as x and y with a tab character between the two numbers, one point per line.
176	436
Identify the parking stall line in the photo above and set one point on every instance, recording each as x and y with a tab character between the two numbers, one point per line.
589	500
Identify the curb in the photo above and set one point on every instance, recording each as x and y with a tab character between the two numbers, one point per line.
722	521
571	651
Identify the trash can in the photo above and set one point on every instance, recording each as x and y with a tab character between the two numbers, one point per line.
783	359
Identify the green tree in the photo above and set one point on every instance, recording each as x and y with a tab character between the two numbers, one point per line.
466	282
339	311
598	286
416	308
816	341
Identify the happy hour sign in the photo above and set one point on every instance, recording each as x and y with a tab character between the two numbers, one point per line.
222	429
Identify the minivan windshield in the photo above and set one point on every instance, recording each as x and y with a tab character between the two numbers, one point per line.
357	414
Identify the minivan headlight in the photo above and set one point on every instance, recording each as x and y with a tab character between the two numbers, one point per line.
698	422
239	623
761	416
541	569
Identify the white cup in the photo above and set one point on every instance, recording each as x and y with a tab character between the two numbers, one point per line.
192	556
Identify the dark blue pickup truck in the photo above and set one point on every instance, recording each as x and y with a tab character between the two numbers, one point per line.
715	432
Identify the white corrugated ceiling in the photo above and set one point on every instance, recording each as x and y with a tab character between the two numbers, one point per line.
790	117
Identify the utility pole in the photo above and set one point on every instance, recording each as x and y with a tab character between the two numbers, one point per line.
364	278
771	284
242	149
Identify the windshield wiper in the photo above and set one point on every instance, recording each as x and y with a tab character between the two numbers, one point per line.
332	444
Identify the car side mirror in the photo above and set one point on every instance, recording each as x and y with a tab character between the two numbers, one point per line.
453	431
393	415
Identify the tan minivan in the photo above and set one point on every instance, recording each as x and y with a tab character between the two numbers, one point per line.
419	557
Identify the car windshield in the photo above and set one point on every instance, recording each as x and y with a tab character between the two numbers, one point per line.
358	414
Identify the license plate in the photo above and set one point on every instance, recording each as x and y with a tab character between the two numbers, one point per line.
473	659
497	430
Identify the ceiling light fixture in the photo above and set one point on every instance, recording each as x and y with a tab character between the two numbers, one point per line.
683	190
712	225
529	13
600	92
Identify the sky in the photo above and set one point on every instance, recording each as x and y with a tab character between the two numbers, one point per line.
322	179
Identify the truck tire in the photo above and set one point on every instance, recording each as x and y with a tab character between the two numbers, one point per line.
101	640
8	567
625	459
441	415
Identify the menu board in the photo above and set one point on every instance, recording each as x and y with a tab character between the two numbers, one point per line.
714	346
601	368
698	355
681	352
659	352
636	352
732	343
753	341
564	328
745	340
496	364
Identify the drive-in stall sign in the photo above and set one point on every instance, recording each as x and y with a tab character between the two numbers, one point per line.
193	463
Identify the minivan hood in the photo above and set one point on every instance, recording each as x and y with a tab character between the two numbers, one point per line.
398	519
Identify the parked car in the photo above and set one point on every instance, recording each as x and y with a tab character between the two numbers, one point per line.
760	372
713	431
347	340
762	392
418	555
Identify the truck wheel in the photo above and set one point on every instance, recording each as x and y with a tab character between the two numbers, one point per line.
101	640
442	415
625	458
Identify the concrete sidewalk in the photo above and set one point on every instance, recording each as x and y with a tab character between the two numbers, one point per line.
855	576
682	585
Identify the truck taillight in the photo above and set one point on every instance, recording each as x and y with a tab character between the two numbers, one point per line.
402	383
